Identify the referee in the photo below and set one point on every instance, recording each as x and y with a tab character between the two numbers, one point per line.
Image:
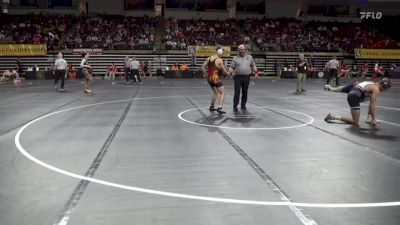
243	66
333	66
60	66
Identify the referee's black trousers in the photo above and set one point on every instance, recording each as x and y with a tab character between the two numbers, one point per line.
59	74
333	72
241	82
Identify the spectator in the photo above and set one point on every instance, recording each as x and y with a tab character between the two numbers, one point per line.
175	67
146	68
111	71
184	67
344	69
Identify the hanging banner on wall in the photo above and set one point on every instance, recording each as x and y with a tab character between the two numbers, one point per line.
91	51
209	50
23	50
364	53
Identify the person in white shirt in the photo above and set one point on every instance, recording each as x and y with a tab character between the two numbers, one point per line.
86	73
333	66
59	71
134	66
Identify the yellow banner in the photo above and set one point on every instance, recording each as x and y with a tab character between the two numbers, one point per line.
207	51
362	53
23	50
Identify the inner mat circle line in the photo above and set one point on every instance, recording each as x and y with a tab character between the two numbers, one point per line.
305	219
180	116
172	194
144	86
166	87
31	86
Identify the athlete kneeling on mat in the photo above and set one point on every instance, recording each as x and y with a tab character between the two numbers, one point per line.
356	95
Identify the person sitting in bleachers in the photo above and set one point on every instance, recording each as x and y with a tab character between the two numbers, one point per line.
175	67
184	67
378	71
344	69
71	72
111	71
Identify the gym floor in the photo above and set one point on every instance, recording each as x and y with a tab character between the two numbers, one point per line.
154	154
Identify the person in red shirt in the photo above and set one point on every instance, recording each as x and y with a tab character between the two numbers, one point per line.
378	70
344	70
111	71
184	67
71	72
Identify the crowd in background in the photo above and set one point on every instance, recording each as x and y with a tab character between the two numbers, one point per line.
181	33
290	35
121	32
113	32
36	29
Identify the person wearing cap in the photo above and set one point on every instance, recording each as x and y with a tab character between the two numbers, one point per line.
243	66
356	95
213	68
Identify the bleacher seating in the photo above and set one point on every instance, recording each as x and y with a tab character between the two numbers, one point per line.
267	64
275	37
291	35
36	29
181	33
113	32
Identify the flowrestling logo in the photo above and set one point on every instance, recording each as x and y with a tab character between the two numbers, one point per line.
371	15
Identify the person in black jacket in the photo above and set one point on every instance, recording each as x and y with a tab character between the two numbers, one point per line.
302	66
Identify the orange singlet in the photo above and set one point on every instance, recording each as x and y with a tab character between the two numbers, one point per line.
214	73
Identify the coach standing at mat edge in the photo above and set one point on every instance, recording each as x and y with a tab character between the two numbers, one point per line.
243	66
302	65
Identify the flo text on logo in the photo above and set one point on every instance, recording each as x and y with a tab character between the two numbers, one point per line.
371	15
